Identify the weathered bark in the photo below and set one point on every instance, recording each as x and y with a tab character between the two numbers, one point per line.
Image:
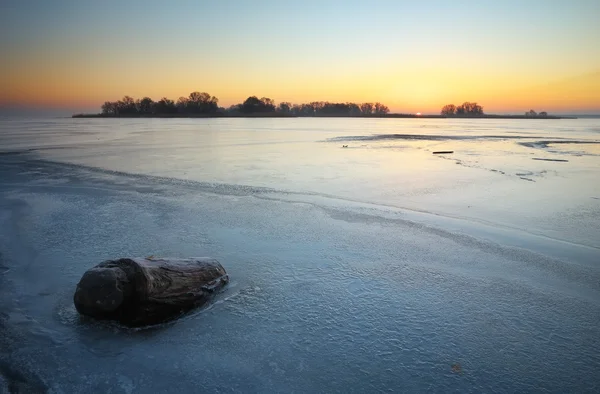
143	291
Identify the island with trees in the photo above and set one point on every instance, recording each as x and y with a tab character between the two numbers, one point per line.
468	109
199	104
202	104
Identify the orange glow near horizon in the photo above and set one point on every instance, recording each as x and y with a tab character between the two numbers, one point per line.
69	92
559	96
63	86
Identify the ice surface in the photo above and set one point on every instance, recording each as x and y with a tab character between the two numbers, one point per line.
380	267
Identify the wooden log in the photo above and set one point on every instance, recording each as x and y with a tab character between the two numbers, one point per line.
441	152
144	291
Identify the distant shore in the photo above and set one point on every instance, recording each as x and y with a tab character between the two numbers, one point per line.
280	115
204	105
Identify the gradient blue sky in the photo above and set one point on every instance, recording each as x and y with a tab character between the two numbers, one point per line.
414	56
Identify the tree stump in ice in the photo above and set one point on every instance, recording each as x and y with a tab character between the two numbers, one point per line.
143	291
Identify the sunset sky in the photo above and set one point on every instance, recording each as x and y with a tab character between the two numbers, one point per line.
414	56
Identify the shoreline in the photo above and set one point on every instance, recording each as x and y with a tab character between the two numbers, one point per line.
279	115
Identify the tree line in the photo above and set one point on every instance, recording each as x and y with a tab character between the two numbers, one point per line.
474	109
533	114
195	103
465	109
255	105
198	103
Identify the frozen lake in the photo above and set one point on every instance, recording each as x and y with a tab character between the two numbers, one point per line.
373	267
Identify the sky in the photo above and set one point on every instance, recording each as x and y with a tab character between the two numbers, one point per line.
414	56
